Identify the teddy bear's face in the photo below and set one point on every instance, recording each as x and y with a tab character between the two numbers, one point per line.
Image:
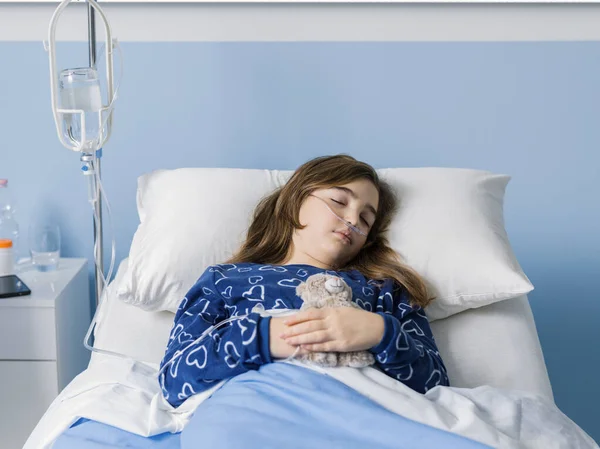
319	286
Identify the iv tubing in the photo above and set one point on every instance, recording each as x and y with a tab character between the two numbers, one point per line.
207	333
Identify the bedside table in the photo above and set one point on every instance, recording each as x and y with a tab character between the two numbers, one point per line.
41	345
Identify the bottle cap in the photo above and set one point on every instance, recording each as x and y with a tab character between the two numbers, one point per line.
6	243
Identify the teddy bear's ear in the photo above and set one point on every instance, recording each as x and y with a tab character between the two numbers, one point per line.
300	289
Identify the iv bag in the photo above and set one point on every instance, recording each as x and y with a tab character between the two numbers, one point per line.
80	90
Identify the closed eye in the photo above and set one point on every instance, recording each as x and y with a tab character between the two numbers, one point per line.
363	219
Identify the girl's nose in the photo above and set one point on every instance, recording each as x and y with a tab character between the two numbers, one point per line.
352	218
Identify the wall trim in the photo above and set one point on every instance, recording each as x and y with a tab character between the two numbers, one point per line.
199	21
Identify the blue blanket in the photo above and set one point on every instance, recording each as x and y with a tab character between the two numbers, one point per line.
86	434
280	406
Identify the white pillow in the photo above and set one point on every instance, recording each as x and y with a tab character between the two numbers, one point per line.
450	229
190	218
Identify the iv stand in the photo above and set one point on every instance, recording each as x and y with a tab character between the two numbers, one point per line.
89	156
98	238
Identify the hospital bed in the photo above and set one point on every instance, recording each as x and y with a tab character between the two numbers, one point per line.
493	346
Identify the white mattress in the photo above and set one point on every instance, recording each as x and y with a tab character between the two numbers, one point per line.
495	345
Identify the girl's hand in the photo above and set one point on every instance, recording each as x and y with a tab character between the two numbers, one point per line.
279	348
339	329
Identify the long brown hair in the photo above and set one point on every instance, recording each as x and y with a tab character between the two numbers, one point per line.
275	218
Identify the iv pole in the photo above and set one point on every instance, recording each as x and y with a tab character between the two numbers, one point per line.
91	159
98	238
78	102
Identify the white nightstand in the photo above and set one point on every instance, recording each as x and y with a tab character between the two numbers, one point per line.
41	345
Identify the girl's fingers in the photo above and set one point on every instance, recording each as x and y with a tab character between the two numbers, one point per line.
303	328
305	315
301	351
310	338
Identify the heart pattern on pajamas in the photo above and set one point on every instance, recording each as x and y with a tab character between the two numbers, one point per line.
407	351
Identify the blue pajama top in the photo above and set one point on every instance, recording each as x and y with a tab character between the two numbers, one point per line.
407	351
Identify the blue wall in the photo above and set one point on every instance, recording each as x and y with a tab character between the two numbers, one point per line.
530	110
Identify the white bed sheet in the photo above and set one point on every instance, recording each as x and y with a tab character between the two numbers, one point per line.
126	394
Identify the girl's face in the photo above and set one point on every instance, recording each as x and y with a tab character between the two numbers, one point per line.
326	241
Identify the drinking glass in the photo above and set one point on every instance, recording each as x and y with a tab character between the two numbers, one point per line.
44	246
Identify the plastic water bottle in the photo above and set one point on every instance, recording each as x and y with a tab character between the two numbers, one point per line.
9	228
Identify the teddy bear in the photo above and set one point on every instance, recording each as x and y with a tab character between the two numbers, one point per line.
324	290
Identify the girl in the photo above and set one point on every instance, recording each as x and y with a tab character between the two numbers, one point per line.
331	216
